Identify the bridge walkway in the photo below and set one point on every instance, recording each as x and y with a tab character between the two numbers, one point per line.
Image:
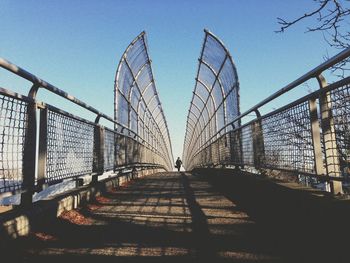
166	217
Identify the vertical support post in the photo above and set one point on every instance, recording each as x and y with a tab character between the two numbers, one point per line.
120	150
42	148
258	142
236	150
328	130
316	137
98	164
134	173
29	156
126	149
115	150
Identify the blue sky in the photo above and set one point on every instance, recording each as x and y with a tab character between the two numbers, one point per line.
76	46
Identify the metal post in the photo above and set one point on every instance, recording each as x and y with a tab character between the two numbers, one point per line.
98	164
258	142
29	156
328	130
316	137
134	173
127	148
42	149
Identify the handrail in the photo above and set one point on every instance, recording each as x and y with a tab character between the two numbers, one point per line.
312	95
41	83
311	74
38	82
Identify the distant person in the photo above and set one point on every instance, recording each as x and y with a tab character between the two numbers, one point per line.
178	163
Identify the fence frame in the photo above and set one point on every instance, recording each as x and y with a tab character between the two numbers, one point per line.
34	165
318	114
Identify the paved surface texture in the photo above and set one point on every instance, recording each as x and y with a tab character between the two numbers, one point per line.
166	217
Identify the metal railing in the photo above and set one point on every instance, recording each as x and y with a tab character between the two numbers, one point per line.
44	145
310	136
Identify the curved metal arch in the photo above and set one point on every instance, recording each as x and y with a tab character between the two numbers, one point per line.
206	87
195	105
200	116
195	134
194	122
235	74
194	126
205	102
149	102
195	116
217	79
201	99
150	126
136	77
216	74
143	93
216	111
190	124
158	114
209	114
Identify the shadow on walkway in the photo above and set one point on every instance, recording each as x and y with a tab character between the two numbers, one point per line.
174	217
303	225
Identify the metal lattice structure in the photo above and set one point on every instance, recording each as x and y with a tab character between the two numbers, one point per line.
13	122
43	145
70	145
308	137
137	105
109	149
215	102
288	139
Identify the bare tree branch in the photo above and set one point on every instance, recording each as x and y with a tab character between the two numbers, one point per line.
332	18
284	24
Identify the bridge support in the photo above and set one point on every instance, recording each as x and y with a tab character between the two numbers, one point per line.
98	163
330	143
258	142
42	149
29	156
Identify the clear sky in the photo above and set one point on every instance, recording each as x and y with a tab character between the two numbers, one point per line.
76	45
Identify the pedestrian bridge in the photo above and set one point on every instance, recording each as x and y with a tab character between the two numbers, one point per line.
258	186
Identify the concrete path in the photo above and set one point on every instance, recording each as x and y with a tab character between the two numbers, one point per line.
217	216
166	217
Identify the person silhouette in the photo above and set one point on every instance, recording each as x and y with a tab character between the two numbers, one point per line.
178	164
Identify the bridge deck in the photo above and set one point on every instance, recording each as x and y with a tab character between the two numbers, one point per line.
164	217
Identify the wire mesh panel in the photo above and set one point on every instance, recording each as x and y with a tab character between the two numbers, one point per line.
13	123
236	147
215	152
130	150
247	145
224	149
137	104
109	148
215	102
69	147
120	150
340	106
288	139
